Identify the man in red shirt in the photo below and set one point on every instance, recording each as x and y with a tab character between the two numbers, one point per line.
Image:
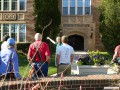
39	56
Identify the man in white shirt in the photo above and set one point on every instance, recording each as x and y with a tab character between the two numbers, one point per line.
64	57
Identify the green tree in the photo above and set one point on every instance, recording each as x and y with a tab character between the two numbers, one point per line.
110	23
46	12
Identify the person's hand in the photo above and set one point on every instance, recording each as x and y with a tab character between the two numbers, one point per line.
48	38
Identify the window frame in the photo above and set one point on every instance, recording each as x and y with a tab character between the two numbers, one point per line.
17	39
76	8
10	5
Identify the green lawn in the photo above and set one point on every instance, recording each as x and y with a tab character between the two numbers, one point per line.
24	68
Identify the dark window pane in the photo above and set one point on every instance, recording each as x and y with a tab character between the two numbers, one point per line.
5	29
22	4
0	4
14	4
22	33
14	31
6	5
72	10
79	11
65	10
87	10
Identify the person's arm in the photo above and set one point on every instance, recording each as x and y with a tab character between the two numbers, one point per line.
29	54
51	40
72	55
115	53
57	56
47	53
114	56
48	59
71	58
57	60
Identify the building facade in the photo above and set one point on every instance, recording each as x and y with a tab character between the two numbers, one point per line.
79	21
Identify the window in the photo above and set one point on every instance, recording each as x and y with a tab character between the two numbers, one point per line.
65	7
12	5
0	5
76	7
0	31
72	7
80	7
22	33
5	29
87	6
22	4
16	31
6	5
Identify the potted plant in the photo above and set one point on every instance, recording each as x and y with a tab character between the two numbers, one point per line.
92	63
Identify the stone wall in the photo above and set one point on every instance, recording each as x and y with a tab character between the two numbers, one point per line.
88	82
92	20
29	18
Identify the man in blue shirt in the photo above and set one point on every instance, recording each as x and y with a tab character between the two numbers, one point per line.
9	60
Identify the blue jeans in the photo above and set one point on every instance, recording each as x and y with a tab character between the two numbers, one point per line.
41	69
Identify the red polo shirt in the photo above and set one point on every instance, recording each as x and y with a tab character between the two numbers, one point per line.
43	49
117	49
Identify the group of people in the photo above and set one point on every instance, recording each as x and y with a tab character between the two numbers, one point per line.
38	57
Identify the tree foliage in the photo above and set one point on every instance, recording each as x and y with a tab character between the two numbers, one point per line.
44	12
110	23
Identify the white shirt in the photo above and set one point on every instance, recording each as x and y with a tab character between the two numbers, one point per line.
4	45
65	52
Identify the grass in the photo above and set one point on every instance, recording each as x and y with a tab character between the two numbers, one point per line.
24	68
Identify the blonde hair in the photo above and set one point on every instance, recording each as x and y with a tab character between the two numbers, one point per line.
57	38
64	39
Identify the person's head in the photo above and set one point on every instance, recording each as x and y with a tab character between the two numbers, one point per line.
11	42
38	36
64	39
5	38
58	39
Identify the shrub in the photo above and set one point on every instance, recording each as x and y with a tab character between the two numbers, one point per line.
22	47
92	58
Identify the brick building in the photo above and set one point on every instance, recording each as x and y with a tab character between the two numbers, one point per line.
79	20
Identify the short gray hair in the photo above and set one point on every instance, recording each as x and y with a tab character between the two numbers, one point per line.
38	36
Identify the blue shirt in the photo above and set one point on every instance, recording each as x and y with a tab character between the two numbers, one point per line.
5	66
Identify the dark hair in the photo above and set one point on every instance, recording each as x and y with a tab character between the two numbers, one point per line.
5	38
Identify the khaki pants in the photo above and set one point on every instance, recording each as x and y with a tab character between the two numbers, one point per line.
66	69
